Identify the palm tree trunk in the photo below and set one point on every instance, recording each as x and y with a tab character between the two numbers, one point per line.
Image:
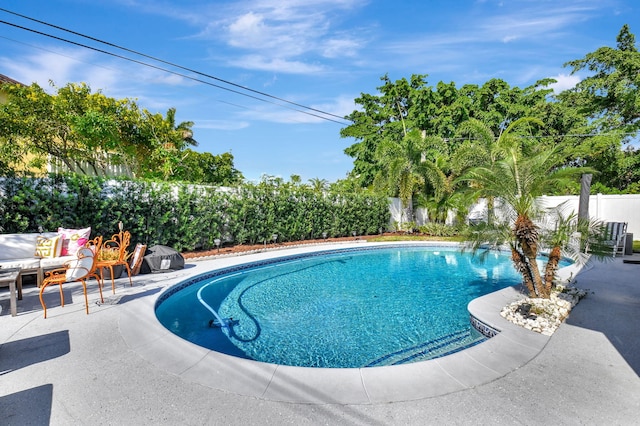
526	233
491	214
408	211
521	265
535	273
551	268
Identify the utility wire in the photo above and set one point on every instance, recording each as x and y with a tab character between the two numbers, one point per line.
108	68
171	64
167	70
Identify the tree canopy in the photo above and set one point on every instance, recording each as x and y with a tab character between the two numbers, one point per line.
610	94
593	122
92	134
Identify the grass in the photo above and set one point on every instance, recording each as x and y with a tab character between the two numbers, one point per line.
636	246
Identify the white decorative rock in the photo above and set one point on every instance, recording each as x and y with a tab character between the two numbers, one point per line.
545	315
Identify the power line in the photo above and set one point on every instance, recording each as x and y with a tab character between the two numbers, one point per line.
166	70
109	68
170	71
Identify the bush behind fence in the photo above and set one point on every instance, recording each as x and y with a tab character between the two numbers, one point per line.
186	217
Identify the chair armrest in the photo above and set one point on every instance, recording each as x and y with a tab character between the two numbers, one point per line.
56	272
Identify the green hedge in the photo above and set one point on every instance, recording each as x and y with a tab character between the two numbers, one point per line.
187	217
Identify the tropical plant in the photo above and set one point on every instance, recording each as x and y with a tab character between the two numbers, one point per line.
569	235
318	185
516	182
486	149
89	133
410	166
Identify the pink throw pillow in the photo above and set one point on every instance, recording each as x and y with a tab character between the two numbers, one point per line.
73	240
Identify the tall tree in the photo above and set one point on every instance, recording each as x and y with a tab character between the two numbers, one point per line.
388	116
611	93
206	168
319	185
90	133
169	141
83	130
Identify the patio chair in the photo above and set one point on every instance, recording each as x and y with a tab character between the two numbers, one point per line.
615	234
117	245
77	270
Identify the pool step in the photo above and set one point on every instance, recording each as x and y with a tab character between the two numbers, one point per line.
436	348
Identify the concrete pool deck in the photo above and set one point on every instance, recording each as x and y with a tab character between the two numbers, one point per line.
118	365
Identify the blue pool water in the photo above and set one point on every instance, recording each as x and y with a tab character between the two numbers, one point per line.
344	308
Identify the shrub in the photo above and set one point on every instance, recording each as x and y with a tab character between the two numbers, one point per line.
439	230
186	217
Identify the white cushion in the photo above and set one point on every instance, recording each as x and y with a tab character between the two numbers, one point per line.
82	266
20	246
30	263
56	262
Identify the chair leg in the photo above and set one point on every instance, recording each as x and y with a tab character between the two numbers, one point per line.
44	306
126	265
86	300
99	288
61	296
113	281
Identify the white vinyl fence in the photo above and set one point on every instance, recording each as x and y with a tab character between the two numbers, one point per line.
608	208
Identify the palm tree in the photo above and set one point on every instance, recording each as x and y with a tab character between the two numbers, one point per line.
182	130
577	237
517	181
405	170
485	149
318	185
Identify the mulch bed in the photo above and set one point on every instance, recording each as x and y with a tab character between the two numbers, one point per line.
240	248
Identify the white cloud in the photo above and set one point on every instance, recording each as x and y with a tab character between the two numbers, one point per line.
287	31
248	30
262	63
564	82
291	114
60	67
340	47
540	20
220	124
76	65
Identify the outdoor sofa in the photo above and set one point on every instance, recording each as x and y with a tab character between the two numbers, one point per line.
22	251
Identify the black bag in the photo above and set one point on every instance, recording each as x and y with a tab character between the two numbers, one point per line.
161	259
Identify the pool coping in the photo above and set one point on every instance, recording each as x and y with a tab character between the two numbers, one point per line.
509	350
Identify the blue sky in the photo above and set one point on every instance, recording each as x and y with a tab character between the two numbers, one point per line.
317	53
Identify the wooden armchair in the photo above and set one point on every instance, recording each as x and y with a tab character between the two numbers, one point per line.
77	270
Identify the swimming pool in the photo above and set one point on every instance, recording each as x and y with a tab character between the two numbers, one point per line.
341	308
